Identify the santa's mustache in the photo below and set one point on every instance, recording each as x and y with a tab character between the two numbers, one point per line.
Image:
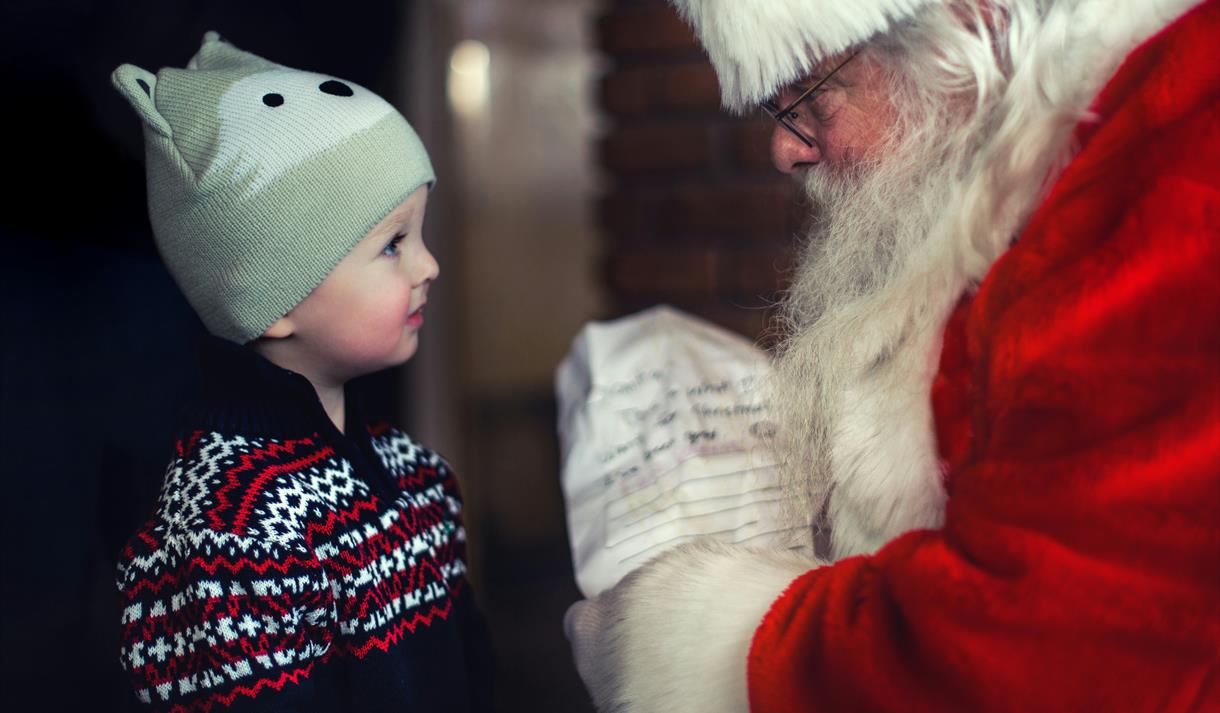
861	289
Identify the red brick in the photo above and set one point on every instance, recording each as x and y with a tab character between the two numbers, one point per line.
623	91
751	323
697	212
754	321
663	272
701	270
758	271
657	148
683	87
735	209
752	143
623	214
649	29
696	217
692	85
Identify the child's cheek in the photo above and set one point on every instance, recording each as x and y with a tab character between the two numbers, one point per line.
389	317
396	305
367	325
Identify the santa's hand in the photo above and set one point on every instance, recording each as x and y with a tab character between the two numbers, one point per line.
674	636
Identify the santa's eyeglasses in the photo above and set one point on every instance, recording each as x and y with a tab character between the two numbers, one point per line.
788	117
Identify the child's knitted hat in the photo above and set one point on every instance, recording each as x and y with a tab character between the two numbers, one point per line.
261	178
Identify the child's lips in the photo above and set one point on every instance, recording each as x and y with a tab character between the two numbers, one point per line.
415	320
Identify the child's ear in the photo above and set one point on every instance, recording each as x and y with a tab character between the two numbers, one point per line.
138	86
279	329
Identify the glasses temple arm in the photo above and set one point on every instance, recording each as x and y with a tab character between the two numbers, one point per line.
814	88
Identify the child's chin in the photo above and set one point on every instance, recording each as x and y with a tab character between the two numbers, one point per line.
374	359
406	348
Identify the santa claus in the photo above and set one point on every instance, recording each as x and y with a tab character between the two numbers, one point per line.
1000	376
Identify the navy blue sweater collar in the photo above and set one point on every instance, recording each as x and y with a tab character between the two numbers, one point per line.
243	392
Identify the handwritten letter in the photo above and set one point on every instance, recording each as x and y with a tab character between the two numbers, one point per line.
666	435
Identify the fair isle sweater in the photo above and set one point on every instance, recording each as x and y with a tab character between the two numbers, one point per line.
291	567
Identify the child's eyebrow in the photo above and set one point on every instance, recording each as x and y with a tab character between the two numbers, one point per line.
394	223
377	238
406	215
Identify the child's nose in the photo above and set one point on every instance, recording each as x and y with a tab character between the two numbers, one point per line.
427	268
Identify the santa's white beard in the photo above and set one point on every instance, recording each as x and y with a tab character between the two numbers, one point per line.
859	313
870	218
985	115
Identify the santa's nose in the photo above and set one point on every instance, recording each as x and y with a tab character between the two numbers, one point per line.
789	153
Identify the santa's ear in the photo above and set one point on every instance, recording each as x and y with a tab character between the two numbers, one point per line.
279	329
138	87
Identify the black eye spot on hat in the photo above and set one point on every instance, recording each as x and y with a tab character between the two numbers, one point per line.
335	87
144	85
272	99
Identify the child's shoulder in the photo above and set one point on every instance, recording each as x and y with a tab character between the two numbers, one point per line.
229	495
226	470
415	469
266	490
401	453
260	487
207	449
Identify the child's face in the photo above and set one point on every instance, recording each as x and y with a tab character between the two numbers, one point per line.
367	313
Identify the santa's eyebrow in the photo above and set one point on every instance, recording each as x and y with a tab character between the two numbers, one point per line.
822	78
818	83
829	65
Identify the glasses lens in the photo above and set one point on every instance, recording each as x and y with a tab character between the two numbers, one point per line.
790	120
785	107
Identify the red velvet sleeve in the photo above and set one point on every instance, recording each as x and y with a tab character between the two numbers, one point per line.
1079	565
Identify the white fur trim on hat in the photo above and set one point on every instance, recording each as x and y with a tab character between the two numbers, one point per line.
757	46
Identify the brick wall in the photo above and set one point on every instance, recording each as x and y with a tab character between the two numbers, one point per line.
693	212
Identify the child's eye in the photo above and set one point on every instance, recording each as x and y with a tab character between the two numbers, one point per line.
391	248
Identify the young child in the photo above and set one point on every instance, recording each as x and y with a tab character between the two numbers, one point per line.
299	559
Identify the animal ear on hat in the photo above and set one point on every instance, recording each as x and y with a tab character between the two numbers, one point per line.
138	87
216	53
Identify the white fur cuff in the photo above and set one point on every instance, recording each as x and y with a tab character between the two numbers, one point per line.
683	624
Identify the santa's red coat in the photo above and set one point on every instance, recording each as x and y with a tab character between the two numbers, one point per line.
1078	409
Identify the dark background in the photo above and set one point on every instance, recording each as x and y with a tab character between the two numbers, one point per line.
96	344
98	348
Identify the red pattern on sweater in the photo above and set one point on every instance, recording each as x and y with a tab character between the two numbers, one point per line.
266	556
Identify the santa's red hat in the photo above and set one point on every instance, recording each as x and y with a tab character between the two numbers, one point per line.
757	46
